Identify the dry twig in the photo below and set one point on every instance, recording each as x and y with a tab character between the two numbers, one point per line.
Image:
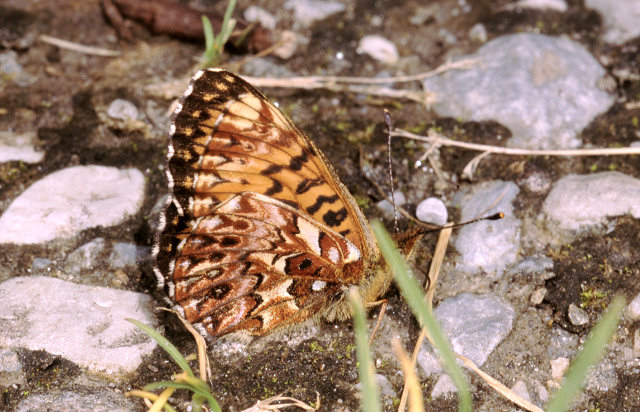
77	47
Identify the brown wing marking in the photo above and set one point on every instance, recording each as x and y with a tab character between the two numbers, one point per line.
257	264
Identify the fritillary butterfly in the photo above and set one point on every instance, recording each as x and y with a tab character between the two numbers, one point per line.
258	233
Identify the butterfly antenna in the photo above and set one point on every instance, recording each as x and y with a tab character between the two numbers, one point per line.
387	121
495	216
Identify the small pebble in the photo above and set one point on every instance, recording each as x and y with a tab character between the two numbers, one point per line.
538	296
306	12
258	14
541	392
387	207
378	48
520	388
557	5
123	110
478	33
577	316
443	386
558	367
432	210
633	308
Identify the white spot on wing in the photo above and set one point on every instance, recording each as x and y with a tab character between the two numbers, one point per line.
198	75
310	235
334	255
179	105
354	253
318	285
177	204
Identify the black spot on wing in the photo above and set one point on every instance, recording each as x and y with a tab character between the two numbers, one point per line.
320	200
305	264
307	184
275	188
297	162
333	219
271	170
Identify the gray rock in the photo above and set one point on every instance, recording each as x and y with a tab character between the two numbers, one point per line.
379	48
633	308
429	363
9	65
577	316
583	201
12	71
78	400
557	5
488	246
541	392
70	200
11	372
621	21
385	386
255	13
478	33
533	264
602	377
84	257
122	110
41	264
432	210
126	255
538	296
544	89
475	324
520	388
443	386
19	147
387	207
306	12
263	67
562	343
84	324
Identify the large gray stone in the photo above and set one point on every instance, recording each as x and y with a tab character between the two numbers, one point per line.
70	200
544	89
84	324
582	201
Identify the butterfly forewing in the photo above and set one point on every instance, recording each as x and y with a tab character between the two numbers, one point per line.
258	232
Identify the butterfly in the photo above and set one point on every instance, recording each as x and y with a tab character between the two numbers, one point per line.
258	233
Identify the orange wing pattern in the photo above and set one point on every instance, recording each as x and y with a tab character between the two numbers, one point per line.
258	232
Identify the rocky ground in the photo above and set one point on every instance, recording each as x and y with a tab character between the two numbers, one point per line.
83	140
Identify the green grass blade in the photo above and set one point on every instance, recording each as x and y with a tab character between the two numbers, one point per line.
181	385
592	351
413	294
209	39
370	401
228	24
166	345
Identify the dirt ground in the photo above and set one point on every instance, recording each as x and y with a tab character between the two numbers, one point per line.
66	94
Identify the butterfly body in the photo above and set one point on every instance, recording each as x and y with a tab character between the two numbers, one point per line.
258	233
